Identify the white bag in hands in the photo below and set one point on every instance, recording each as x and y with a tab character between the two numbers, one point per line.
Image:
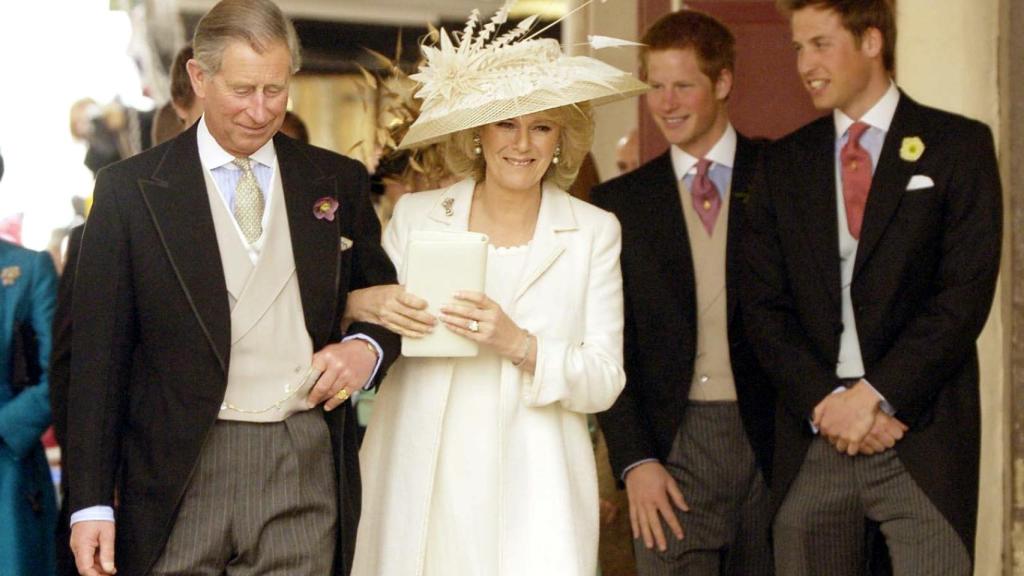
437	265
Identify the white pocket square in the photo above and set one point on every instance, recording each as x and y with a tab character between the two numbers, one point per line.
346	243
919	181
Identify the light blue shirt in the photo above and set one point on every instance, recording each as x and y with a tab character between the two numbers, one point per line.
722	155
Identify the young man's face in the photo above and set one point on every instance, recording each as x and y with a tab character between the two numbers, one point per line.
837	69
688	107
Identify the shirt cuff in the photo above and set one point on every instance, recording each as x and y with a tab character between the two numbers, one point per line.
105	513
634	465
884	404
810	421
380	355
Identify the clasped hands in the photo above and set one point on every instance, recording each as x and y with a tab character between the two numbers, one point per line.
853	422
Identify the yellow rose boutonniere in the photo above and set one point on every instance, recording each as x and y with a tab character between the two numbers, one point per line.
912	148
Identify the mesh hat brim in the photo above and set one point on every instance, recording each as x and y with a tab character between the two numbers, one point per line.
426	131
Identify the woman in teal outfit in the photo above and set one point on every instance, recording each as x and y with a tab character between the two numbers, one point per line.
28	510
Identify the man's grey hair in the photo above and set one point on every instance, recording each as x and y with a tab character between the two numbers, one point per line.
260	23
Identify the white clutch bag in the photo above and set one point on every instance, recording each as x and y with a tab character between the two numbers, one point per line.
438	264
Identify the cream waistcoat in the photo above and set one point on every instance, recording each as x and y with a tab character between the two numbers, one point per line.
271	349
712	368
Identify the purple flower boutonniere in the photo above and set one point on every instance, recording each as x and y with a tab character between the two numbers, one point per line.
325	208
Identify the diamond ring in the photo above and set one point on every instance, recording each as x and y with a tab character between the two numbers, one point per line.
474	326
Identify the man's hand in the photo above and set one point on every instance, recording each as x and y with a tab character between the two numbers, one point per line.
846	417
344	366
92	543
652	492
390	306
884	434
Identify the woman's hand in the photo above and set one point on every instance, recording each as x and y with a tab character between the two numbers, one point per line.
390	306
493	327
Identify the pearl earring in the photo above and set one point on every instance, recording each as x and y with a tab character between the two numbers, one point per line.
477	149
557	156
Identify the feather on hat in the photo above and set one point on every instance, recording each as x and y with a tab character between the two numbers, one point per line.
476	77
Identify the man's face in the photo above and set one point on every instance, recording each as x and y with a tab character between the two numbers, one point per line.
689	109
244	102
836	68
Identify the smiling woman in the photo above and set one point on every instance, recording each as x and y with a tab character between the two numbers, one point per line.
456	446
575	128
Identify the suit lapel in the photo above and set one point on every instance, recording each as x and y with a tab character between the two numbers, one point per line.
819	219
315	242
177	201
889	181
744	166
453	206
554	217
667	233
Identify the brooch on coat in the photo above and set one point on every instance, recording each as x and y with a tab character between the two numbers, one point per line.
9	274
325	208
447	205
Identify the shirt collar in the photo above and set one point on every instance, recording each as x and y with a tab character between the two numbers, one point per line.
723	153
212	155
879	116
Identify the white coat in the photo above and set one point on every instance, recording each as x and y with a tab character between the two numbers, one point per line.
570	298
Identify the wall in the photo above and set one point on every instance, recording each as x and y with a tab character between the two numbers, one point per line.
948	57
611	121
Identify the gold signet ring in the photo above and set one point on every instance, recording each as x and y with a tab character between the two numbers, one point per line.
342	395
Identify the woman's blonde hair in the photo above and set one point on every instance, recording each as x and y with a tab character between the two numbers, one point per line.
576	125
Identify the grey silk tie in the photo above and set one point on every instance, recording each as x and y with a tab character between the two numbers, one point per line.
248	202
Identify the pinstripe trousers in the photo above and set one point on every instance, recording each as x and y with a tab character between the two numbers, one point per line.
726	531
819	529
262	500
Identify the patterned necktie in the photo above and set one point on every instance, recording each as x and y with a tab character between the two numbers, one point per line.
856	172
706	200
248	202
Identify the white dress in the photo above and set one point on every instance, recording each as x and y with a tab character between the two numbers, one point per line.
462	538
487	469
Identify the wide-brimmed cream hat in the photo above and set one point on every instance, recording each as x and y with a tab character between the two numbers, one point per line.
483	75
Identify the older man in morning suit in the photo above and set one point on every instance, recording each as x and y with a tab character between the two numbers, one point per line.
873	258
691	432
211	281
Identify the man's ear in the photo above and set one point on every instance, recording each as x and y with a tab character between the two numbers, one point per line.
723	85
872	42
198	76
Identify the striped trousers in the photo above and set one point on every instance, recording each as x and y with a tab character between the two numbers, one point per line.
726	531
262	500
819	529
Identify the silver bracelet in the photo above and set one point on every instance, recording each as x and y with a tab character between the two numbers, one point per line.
526	350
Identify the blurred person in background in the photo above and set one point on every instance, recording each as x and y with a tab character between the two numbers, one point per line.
627	152
184	109
28	507
294	128
60	376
